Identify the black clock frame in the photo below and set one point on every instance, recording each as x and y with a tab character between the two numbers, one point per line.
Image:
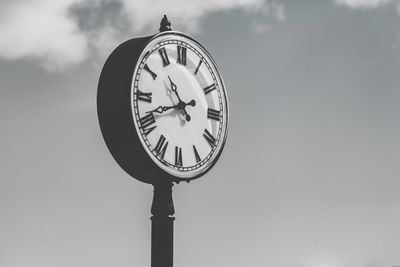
115	114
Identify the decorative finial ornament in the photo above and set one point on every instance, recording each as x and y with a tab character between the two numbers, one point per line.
165	24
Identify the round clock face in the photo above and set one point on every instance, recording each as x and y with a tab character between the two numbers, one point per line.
179	105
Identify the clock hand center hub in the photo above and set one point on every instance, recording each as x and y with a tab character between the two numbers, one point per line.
181	105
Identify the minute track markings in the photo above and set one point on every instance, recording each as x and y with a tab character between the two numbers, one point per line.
164	49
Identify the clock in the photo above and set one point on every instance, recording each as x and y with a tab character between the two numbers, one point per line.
162	108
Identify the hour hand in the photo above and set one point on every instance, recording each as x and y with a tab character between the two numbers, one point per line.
173	86
174	89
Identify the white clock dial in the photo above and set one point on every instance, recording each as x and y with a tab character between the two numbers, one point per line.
179	105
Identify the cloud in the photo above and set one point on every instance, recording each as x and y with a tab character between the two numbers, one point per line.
41	29
364	3
61	33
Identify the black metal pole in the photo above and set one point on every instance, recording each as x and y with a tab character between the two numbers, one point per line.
162	226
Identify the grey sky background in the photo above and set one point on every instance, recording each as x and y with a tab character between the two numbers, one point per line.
310	173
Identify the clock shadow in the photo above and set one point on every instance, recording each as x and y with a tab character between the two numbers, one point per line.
173	113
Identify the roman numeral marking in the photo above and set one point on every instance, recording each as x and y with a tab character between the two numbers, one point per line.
213	114
161	146
146	67
209	137
196	154
146	123
210	88
181	55
146	97
178	156
198	66
164	56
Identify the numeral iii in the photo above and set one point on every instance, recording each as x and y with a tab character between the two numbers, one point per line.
213	114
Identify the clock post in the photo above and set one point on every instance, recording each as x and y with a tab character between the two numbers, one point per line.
162	226
163	113
162	209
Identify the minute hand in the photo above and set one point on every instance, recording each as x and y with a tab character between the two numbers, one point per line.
161	109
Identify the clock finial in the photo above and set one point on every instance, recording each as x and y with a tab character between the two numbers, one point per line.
165	24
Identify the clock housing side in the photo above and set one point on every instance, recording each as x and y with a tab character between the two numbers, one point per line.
115	113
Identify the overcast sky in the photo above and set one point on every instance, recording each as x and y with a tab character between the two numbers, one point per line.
310	175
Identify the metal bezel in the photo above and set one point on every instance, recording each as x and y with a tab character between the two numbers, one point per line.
179	175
